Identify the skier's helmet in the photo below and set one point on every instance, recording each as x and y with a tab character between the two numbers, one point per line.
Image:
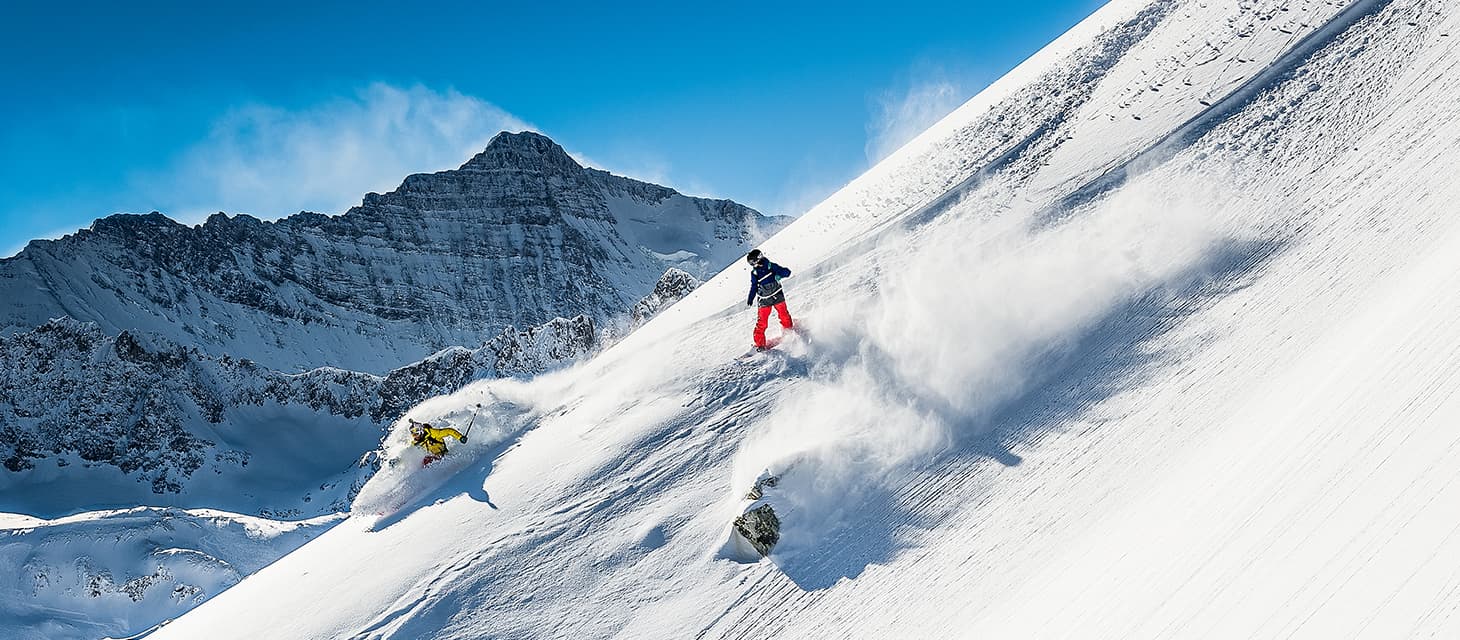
753	257
417	429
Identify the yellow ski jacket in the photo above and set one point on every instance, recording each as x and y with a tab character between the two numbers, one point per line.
433	440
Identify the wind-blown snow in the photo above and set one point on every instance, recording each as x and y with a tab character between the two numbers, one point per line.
884	389
487	414
1156	338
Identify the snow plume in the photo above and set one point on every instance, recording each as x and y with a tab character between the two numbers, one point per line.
967	316
271	161
900	117
488	412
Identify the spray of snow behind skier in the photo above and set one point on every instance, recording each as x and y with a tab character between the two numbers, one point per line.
489	412
928	357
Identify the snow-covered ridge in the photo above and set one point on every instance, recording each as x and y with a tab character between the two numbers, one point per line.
1157	339
91	574
78	404
91	420
672	287
519	235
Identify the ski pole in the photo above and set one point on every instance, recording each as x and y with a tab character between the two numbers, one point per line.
473	420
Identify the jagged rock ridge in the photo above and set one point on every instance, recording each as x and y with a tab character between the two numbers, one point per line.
517	236
159	412
671	287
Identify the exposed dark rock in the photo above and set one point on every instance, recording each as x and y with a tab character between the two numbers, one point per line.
765	482
674	285
760	527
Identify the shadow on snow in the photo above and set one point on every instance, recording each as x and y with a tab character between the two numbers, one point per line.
1115	355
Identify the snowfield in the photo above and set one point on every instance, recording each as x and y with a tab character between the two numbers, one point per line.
86	575
1157	337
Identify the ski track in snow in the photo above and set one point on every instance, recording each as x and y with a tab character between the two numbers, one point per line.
1187	375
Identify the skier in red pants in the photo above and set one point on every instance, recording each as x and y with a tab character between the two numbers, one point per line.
765	287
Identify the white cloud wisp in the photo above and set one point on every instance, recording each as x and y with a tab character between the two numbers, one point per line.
272	162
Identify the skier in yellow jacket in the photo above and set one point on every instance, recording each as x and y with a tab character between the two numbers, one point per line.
433	440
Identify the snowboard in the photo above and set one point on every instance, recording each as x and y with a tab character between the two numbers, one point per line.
772	342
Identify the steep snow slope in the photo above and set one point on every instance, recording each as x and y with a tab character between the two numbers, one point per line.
1063	373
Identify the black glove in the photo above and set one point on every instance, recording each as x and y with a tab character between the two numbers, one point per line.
463	439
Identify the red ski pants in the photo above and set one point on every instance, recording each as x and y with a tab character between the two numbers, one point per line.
763	318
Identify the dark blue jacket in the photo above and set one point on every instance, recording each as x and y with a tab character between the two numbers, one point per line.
765	279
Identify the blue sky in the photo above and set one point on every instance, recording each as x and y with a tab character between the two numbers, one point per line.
271	108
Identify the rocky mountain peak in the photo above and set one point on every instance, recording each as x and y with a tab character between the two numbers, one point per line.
521	234
127	224
524	150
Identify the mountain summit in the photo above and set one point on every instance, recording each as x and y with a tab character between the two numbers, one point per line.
517	236
527	150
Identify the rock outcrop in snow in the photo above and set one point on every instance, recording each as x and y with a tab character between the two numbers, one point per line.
513	353
671	287
757	525
760	527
